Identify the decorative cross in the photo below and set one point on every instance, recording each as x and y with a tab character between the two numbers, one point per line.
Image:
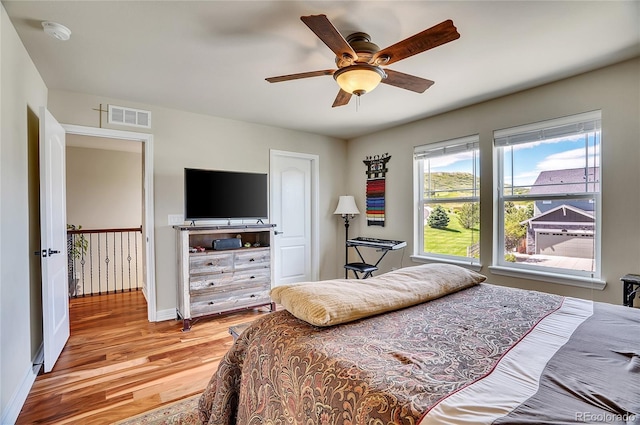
100	111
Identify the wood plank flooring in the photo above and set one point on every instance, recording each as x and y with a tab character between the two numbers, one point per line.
116	364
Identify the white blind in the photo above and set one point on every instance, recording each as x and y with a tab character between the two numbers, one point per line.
447	147
551	129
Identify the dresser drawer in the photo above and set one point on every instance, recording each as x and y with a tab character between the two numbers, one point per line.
210	263
242	298
228	280
253	258
262	276
210	281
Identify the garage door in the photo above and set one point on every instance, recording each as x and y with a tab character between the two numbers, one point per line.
565	245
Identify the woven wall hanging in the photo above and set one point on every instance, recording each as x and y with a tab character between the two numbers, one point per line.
376	175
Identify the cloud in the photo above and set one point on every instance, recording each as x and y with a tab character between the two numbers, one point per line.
574	158
525	178
531	145
567	159
447	160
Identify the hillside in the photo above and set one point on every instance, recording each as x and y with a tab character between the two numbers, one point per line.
455	181
451	181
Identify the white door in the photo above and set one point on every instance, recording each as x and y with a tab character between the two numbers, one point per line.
293	203
53	239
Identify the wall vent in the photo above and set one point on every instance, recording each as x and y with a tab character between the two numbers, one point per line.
129	116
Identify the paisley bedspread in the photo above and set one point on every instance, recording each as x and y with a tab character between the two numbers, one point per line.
385	369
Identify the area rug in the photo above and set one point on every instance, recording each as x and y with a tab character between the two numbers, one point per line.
184	412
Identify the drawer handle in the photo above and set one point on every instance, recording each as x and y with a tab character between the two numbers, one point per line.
252	260
252	296
210	264
211	303
252	277
212	283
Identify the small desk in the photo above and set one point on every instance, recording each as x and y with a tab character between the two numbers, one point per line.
628	291
382	245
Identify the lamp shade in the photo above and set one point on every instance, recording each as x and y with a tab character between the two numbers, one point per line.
359	79
346	206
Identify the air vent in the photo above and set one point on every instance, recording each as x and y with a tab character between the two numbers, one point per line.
129	116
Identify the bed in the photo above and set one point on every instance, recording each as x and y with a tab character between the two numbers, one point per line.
430	344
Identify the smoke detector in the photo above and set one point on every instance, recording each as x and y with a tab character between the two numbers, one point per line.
56	30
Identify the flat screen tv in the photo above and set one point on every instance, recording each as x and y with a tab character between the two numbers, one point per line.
215	194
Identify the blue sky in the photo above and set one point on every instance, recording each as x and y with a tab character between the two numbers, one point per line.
530	159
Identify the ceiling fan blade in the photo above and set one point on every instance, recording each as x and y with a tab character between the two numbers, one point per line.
300	75
326	32
435	36
406	81
342	98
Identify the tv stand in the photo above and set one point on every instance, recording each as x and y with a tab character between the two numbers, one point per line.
215	282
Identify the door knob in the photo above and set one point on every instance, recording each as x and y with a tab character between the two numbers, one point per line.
275	232
51	252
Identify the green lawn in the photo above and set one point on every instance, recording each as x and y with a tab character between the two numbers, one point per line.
453	240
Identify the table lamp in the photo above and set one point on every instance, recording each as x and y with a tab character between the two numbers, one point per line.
348	210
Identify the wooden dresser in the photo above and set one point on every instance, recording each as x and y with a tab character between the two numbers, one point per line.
213	282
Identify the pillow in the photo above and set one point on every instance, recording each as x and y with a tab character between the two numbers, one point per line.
331	302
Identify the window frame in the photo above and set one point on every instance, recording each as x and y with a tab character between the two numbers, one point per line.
582	278
442	148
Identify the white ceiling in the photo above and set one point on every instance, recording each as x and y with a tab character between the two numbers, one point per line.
212	57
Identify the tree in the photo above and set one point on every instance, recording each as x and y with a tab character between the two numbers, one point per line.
513	230
469	215
438	219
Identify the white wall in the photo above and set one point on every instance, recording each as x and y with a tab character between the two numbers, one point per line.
22	93
615	90
104	187
184	139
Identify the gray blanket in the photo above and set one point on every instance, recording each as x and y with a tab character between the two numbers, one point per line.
593	377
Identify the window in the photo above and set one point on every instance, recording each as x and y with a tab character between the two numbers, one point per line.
549	196
447	191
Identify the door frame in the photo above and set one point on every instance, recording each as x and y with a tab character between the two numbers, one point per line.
315	203
148	225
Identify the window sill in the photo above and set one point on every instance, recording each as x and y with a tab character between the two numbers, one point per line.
426	259
580	281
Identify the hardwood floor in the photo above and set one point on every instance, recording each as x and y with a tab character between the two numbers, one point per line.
116	364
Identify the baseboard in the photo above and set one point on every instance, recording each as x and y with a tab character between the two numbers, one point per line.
169	314
11	413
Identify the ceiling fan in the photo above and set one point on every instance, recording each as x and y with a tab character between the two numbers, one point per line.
360	61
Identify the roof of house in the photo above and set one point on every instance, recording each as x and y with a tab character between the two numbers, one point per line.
575	180
563	213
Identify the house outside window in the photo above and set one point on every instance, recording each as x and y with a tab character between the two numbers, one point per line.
548	197
447	194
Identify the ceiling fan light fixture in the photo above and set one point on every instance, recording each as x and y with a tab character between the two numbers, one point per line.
360	78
